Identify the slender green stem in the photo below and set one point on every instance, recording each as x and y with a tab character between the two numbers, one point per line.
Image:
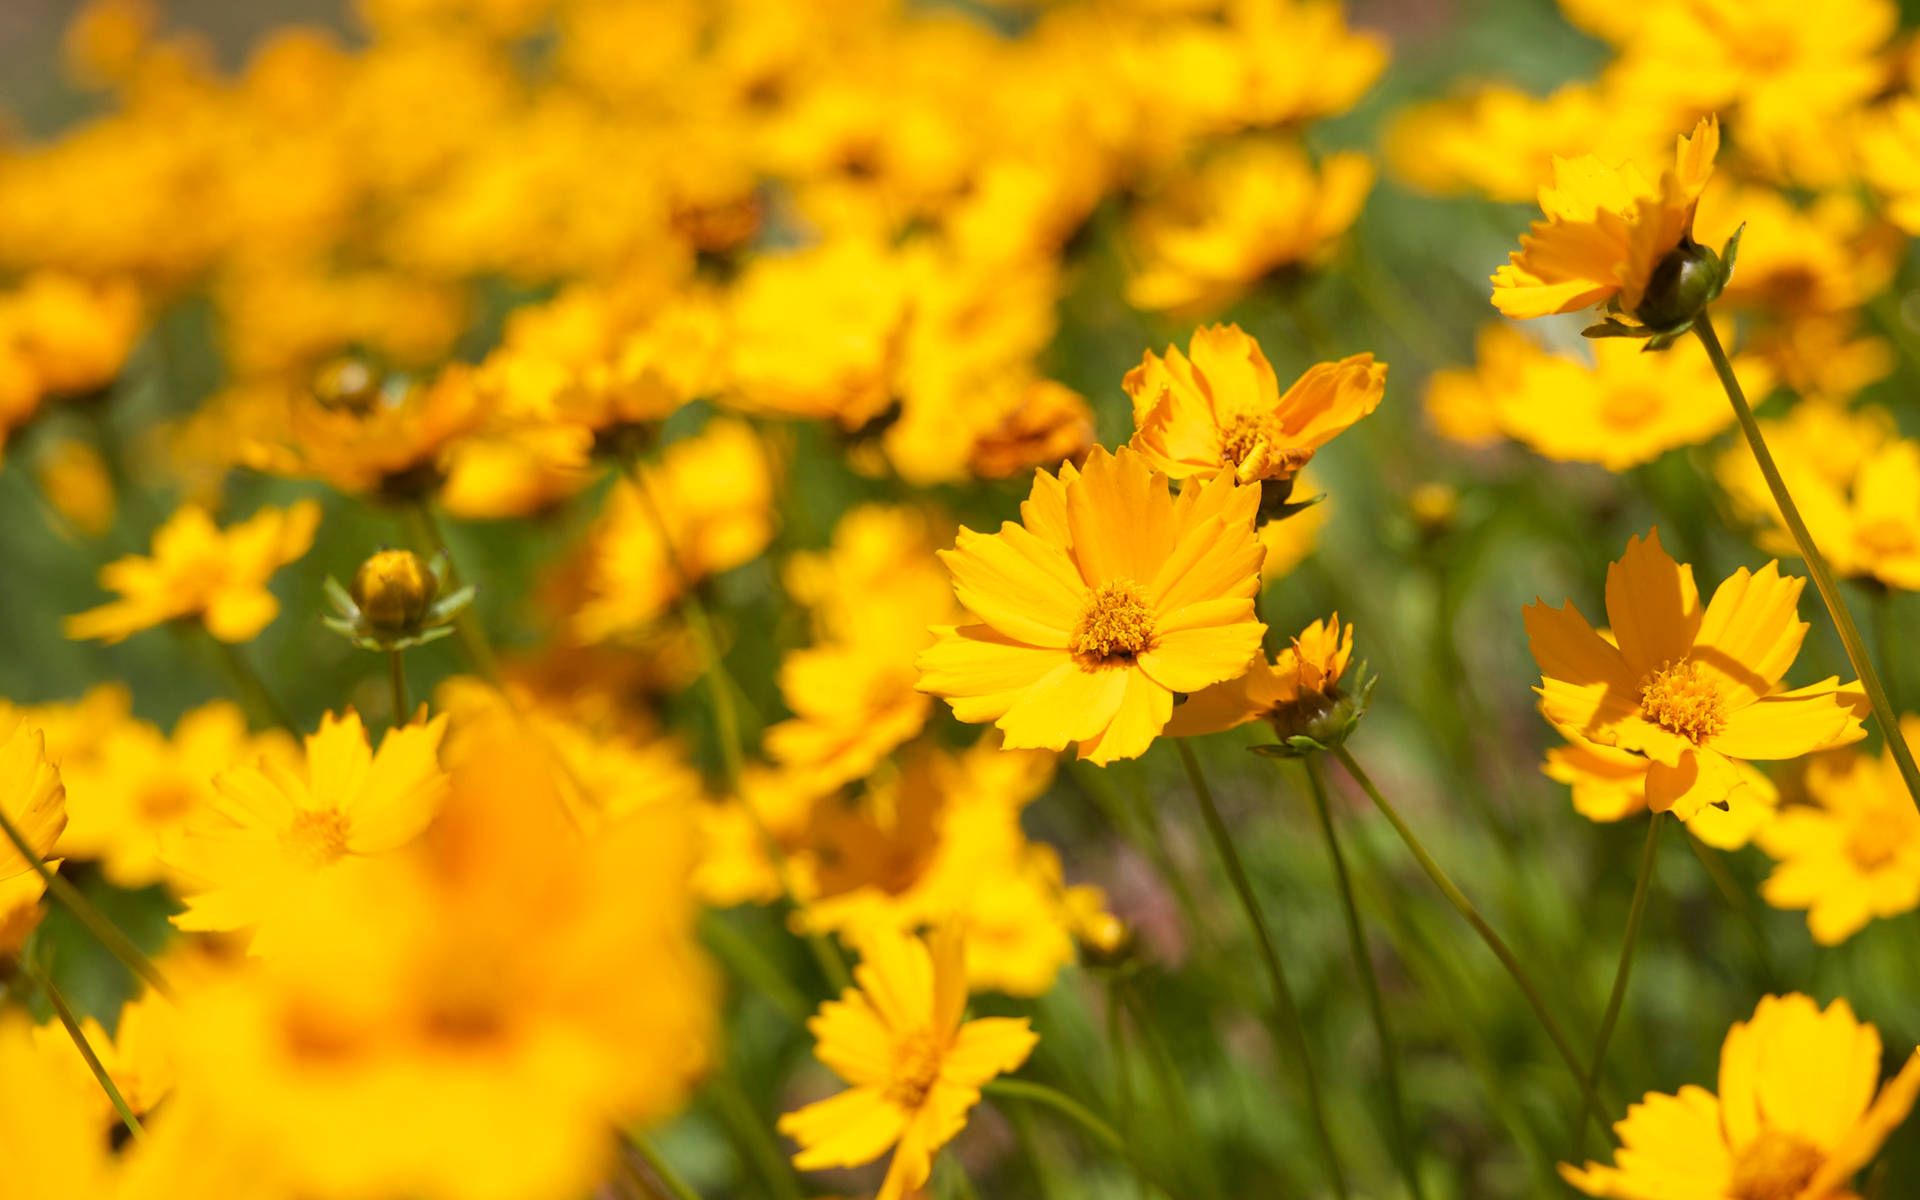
1292	1029
1122	1062
106	932
1363	963
1493	940
1079	1114
726	720
424	531
1172	1089
253	690
746	960
1043	1180
1823	579
1737	900
1642	884
750	1130
60	1009
661	1170
397	680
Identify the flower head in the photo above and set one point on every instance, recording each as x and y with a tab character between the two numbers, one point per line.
1110	597
200	572
916	1065
1693	689
1298	693
1795	1118
396	600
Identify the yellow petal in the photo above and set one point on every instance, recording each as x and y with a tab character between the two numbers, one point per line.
1142	713
1067	704
847	1130
981	671
1750	633
988	1047
1652	605
1022	585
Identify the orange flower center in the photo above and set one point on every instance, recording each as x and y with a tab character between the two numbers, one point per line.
916	1068
1872	841
1884	535
1115	626
1774	1166
1630	407
165	800
1679	699
317	837
1252	444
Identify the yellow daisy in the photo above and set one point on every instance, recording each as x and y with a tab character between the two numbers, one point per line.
1795	1119
915	1064
1110	597
1693	689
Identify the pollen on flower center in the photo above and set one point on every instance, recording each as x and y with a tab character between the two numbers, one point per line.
916	1067
1679	699
317	837
1250	444
1116	625
1774	1166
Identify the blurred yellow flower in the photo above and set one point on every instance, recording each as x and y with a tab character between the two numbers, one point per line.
1853	853
1222	411
35	801
200	572
74	479
1288	691
916	1065
1258	207
365	432
1110	597
1889	149
1696	690
1605	231
1796	1116
276	827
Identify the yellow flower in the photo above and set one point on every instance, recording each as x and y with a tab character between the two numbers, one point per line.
364	432
1109	598
1610	784
1854	852
275	828
1889	148
35	801
915	1064
1256	208
1222	411
1293	688
1694	689
198	571
1796	1116
1831	256
1605	231
74	479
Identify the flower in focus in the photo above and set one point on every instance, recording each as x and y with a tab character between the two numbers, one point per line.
916	1065
1607	230
274	828
201	572
1109	597
1258	207
1610	784
35	802
1796	1116
1853	852
1696	690
395	601
1222	411
1298	693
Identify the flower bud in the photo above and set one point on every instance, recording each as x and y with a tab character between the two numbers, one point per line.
394	589
1683	283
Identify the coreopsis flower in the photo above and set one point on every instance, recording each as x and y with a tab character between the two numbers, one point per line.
397	599
916	1065
275	828
62	335
1221	410
1298	693
1259	207
1853	852
1796	1116
1109	597
35	802
1039	421
200	572
1831	256
75	480
1611	236
368	432
1624	409
1694	689
516	469
1610	784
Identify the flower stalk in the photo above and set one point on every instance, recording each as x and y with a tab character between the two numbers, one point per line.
1823	579
424	531
397	680
1101	1132
60	1009
1642	884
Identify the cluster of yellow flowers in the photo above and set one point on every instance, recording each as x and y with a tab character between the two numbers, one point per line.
736	311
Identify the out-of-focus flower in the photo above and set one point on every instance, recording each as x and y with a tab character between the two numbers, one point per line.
1695	689
1829	257
367	432
74	479
1222	411
200	572
1107	599
1259	207
1041	422
1610	784
1889	149
1298	693
35	801
1796	1115
397	599
1853	853
276	828
916	1065
61	335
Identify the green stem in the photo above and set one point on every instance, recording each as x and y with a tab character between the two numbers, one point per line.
103	930
750	1131
739	954
1737	900
397	680
60	1009
424	532
1642	884
1363	962
1292	1029
1079	1114
1823	579
676	1187
1493	940
1122	1065
1172	1089
253	690
1043	1181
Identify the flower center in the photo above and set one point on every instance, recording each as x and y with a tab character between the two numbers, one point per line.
916	1067
1774	1166
1116	625
1252	444
1884	535
165	800
1630	407
1680	700
317	838
1871	840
